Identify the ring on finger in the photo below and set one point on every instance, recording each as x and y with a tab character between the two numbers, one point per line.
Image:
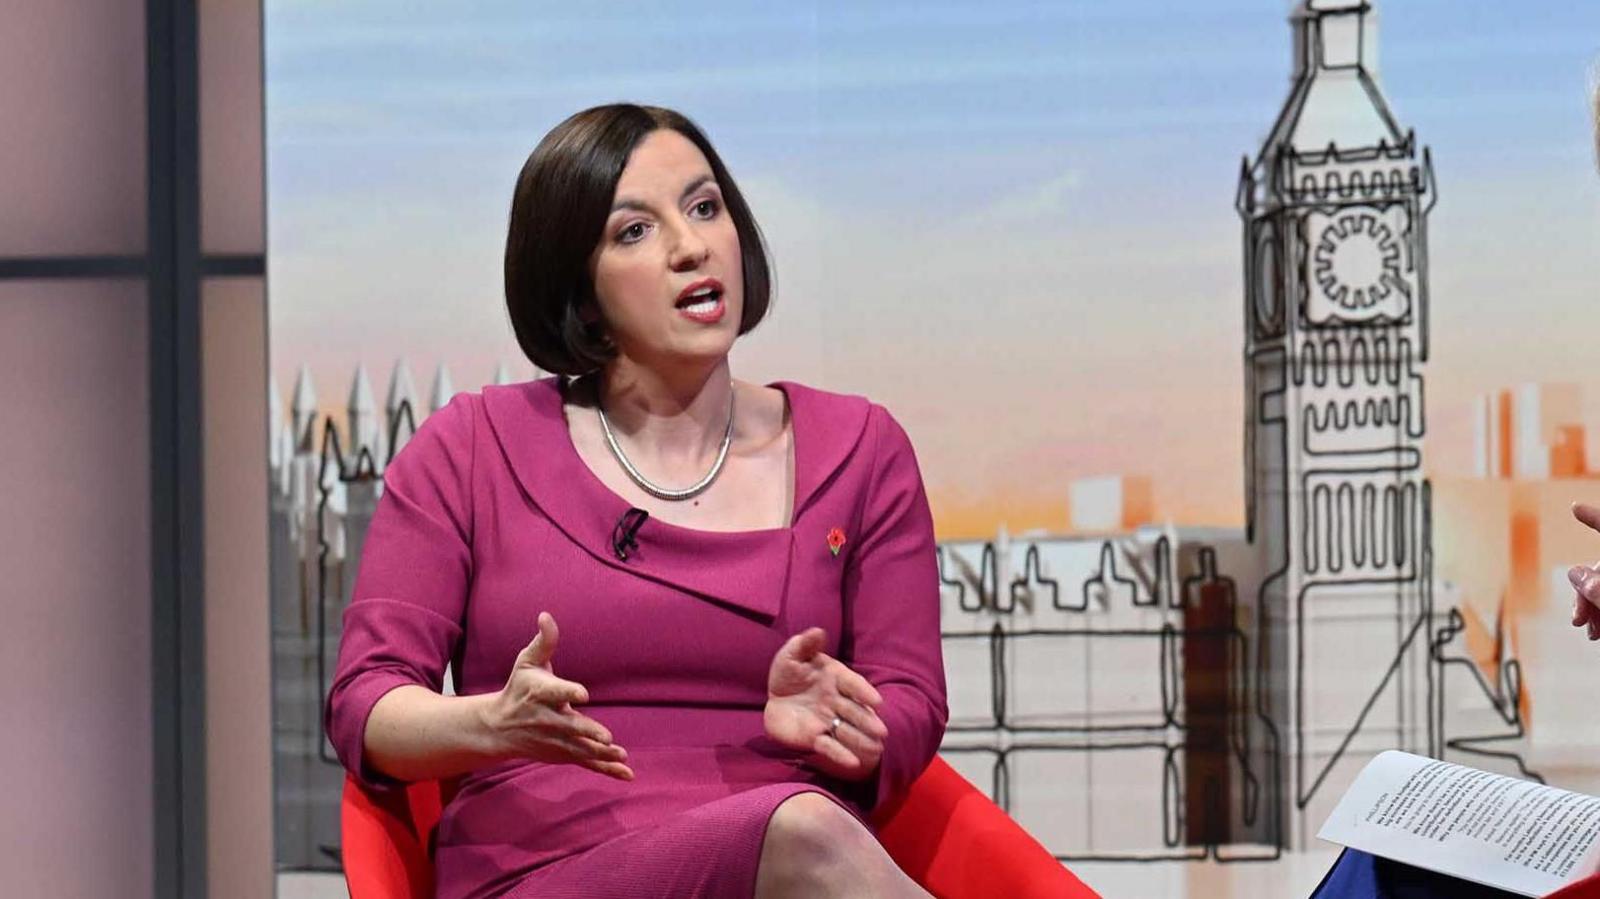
833	727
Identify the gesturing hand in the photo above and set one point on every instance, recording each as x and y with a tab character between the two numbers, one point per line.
533	717
1586	580
816	704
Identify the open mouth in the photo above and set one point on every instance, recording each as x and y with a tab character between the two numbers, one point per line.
701	299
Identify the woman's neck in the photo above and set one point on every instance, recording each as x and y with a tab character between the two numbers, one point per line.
674	418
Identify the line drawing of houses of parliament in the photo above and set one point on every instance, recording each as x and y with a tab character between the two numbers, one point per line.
325	486
1210	693
1128	692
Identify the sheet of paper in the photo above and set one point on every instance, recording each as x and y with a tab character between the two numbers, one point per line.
1513	834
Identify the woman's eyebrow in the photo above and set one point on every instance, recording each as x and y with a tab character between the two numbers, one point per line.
641	206
693	186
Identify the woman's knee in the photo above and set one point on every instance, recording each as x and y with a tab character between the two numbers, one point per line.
813	826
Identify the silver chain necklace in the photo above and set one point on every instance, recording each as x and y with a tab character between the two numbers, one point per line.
668	493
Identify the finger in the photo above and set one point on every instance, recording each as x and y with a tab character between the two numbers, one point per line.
542	649
605	752
856	687
609	769
1580	611
805	646
579	751
554	691
860	744
597	758
862	719
1589	515
1586	581
834	751
581	725
1594	629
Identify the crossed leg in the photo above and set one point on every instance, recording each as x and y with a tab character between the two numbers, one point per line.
815	848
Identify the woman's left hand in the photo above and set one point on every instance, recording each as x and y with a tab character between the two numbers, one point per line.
816	704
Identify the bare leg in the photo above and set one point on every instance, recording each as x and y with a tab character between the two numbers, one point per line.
815	848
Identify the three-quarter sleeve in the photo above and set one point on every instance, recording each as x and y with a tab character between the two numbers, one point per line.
405	613
891	601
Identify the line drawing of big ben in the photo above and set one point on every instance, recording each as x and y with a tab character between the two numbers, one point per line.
1334	211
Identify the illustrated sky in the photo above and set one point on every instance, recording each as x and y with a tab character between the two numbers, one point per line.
1009	223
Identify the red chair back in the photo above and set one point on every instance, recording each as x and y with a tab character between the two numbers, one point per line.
1587	888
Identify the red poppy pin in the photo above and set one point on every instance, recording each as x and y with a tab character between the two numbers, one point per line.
835	540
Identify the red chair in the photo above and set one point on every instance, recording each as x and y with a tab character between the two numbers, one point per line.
1587	888
944	833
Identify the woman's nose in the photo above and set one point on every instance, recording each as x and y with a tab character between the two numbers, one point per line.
690	250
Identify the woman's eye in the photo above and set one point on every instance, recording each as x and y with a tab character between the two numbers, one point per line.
631	233
710	207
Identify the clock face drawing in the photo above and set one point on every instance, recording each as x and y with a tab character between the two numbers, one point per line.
1268	287
1355	267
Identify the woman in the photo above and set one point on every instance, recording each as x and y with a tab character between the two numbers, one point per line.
743	575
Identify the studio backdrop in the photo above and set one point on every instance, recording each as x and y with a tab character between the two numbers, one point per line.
1246	348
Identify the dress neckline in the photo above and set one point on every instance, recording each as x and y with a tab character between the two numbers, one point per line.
594	480
745	569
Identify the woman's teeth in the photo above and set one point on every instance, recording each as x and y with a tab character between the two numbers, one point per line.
703	300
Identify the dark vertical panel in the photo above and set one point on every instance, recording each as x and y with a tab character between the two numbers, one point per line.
1208	692
178	676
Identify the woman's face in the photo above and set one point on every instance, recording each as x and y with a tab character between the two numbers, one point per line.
669	236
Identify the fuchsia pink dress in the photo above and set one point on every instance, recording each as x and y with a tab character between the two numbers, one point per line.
489	516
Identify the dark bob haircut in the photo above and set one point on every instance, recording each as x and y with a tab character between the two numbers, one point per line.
558	217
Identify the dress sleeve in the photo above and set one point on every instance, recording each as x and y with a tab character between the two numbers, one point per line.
891	601
405	613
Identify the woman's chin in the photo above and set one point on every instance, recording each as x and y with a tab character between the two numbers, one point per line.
707	352
708	343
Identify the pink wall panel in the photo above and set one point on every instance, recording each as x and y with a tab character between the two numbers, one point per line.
75	763
72	164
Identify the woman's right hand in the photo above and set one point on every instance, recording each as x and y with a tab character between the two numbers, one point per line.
1586	579
533	717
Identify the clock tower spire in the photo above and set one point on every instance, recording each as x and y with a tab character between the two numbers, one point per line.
1334	209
